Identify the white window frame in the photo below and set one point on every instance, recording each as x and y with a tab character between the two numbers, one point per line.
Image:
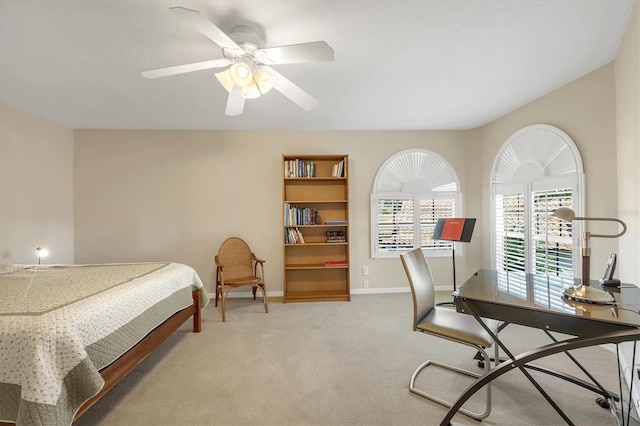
536	148
528	189
438	177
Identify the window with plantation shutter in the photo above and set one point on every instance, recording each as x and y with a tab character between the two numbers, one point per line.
510	232
551	238
538	170
395	225
412	190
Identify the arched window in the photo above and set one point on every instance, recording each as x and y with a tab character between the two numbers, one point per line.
537	170
412	189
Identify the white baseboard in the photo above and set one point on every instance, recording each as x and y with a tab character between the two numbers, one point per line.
380	290
388	290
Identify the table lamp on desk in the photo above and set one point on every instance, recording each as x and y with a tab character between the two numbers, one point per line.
585	292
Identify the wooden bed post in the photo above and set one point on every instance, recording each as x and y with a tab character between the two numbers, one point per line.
197	320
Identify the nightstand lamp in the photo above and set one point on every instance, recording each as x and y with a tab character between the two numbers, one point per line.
41	252
586	293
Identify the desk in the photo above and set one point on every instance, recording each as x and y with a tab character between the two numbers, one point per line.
536	301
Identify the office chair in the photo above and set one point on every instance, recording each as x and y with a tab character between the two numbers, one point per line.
447	324
237	266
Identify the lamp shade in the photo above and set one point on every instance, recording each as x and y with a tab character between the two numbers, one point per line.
241	74
264	80
252	85
564	213
224	77
250	91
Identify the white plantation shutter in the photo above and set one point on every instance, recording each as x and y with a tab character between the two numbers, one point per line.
511	253
432	209
395	225
538	170
412	190
552	245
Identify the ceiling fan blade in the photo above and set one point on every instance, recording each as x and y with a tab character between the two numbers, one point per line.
235	102
181	69
317	51
208	28
293	92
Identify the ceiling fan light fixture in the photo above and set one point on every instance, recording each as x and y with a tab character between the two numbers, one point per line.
241	74
224	77
251	91
264	80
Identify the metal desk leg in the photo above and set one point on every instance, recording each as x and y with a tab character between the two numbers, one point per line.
522	368
551	349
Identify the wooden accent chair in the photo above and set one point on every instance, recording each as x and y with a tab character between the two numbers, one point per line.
447	324
237	266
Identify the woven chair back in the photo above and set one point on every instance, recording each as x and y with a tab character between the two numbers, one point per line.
235	255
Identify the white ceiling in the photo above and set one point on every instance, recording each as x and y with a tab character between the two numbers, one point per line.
425	64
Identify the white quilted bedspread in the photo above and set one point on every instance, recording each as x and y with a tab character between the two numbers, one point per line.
49	314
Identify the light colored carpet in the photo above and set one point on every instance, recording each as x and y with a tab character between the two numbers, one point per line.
331	363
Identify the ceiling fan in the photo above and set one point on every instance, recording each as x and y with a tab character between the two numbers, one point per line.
248	74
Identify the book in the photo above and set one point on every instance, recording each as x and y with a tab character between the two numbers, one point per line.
300	216
299	168
335	237
293	236
338	169
335	222
452	229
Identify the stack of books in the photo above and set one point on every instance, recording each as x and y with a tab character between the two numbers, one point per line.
299	168
293	236
300	216
335	237
338	169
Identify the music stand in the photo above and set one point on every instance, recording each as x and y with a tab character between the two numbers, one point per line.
454	229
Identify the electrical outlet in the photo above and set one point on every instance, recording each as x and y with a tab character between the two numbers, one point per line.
365	270
365	283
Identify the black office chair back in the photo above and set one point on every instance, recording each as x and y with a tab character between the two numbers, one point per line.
421	282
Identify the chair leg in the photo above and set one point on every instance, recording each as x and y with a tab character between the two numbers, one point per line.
254	293
487	368
217	293
264	297
223	298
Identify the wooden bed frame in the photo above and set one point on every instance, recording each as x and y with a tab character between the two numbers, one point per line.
118	369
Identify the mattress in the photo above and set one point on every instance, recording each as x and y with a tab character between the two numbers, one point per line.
61	324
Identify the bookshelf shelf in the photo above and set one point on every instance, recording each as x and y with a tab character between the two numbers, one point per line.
321	225
344	243
314	266
315	190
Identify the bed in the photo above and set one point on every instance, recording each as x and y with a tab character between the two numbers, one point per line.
68	333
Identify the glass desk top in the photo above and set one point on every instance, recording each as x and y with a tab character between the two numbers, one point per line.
543	294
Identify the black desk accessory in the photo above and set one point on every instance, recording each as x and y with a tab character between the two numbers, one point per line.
607	278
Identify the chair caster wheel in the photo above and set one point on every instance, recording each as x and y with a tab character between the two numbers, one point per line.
603	402
481	364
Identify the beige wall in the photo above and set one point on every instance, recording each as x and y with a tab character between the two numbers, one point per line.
627	74
36	181
176	195
585	110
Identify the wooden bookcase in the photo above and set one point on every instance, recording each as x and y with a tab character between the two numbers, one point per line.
315	206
